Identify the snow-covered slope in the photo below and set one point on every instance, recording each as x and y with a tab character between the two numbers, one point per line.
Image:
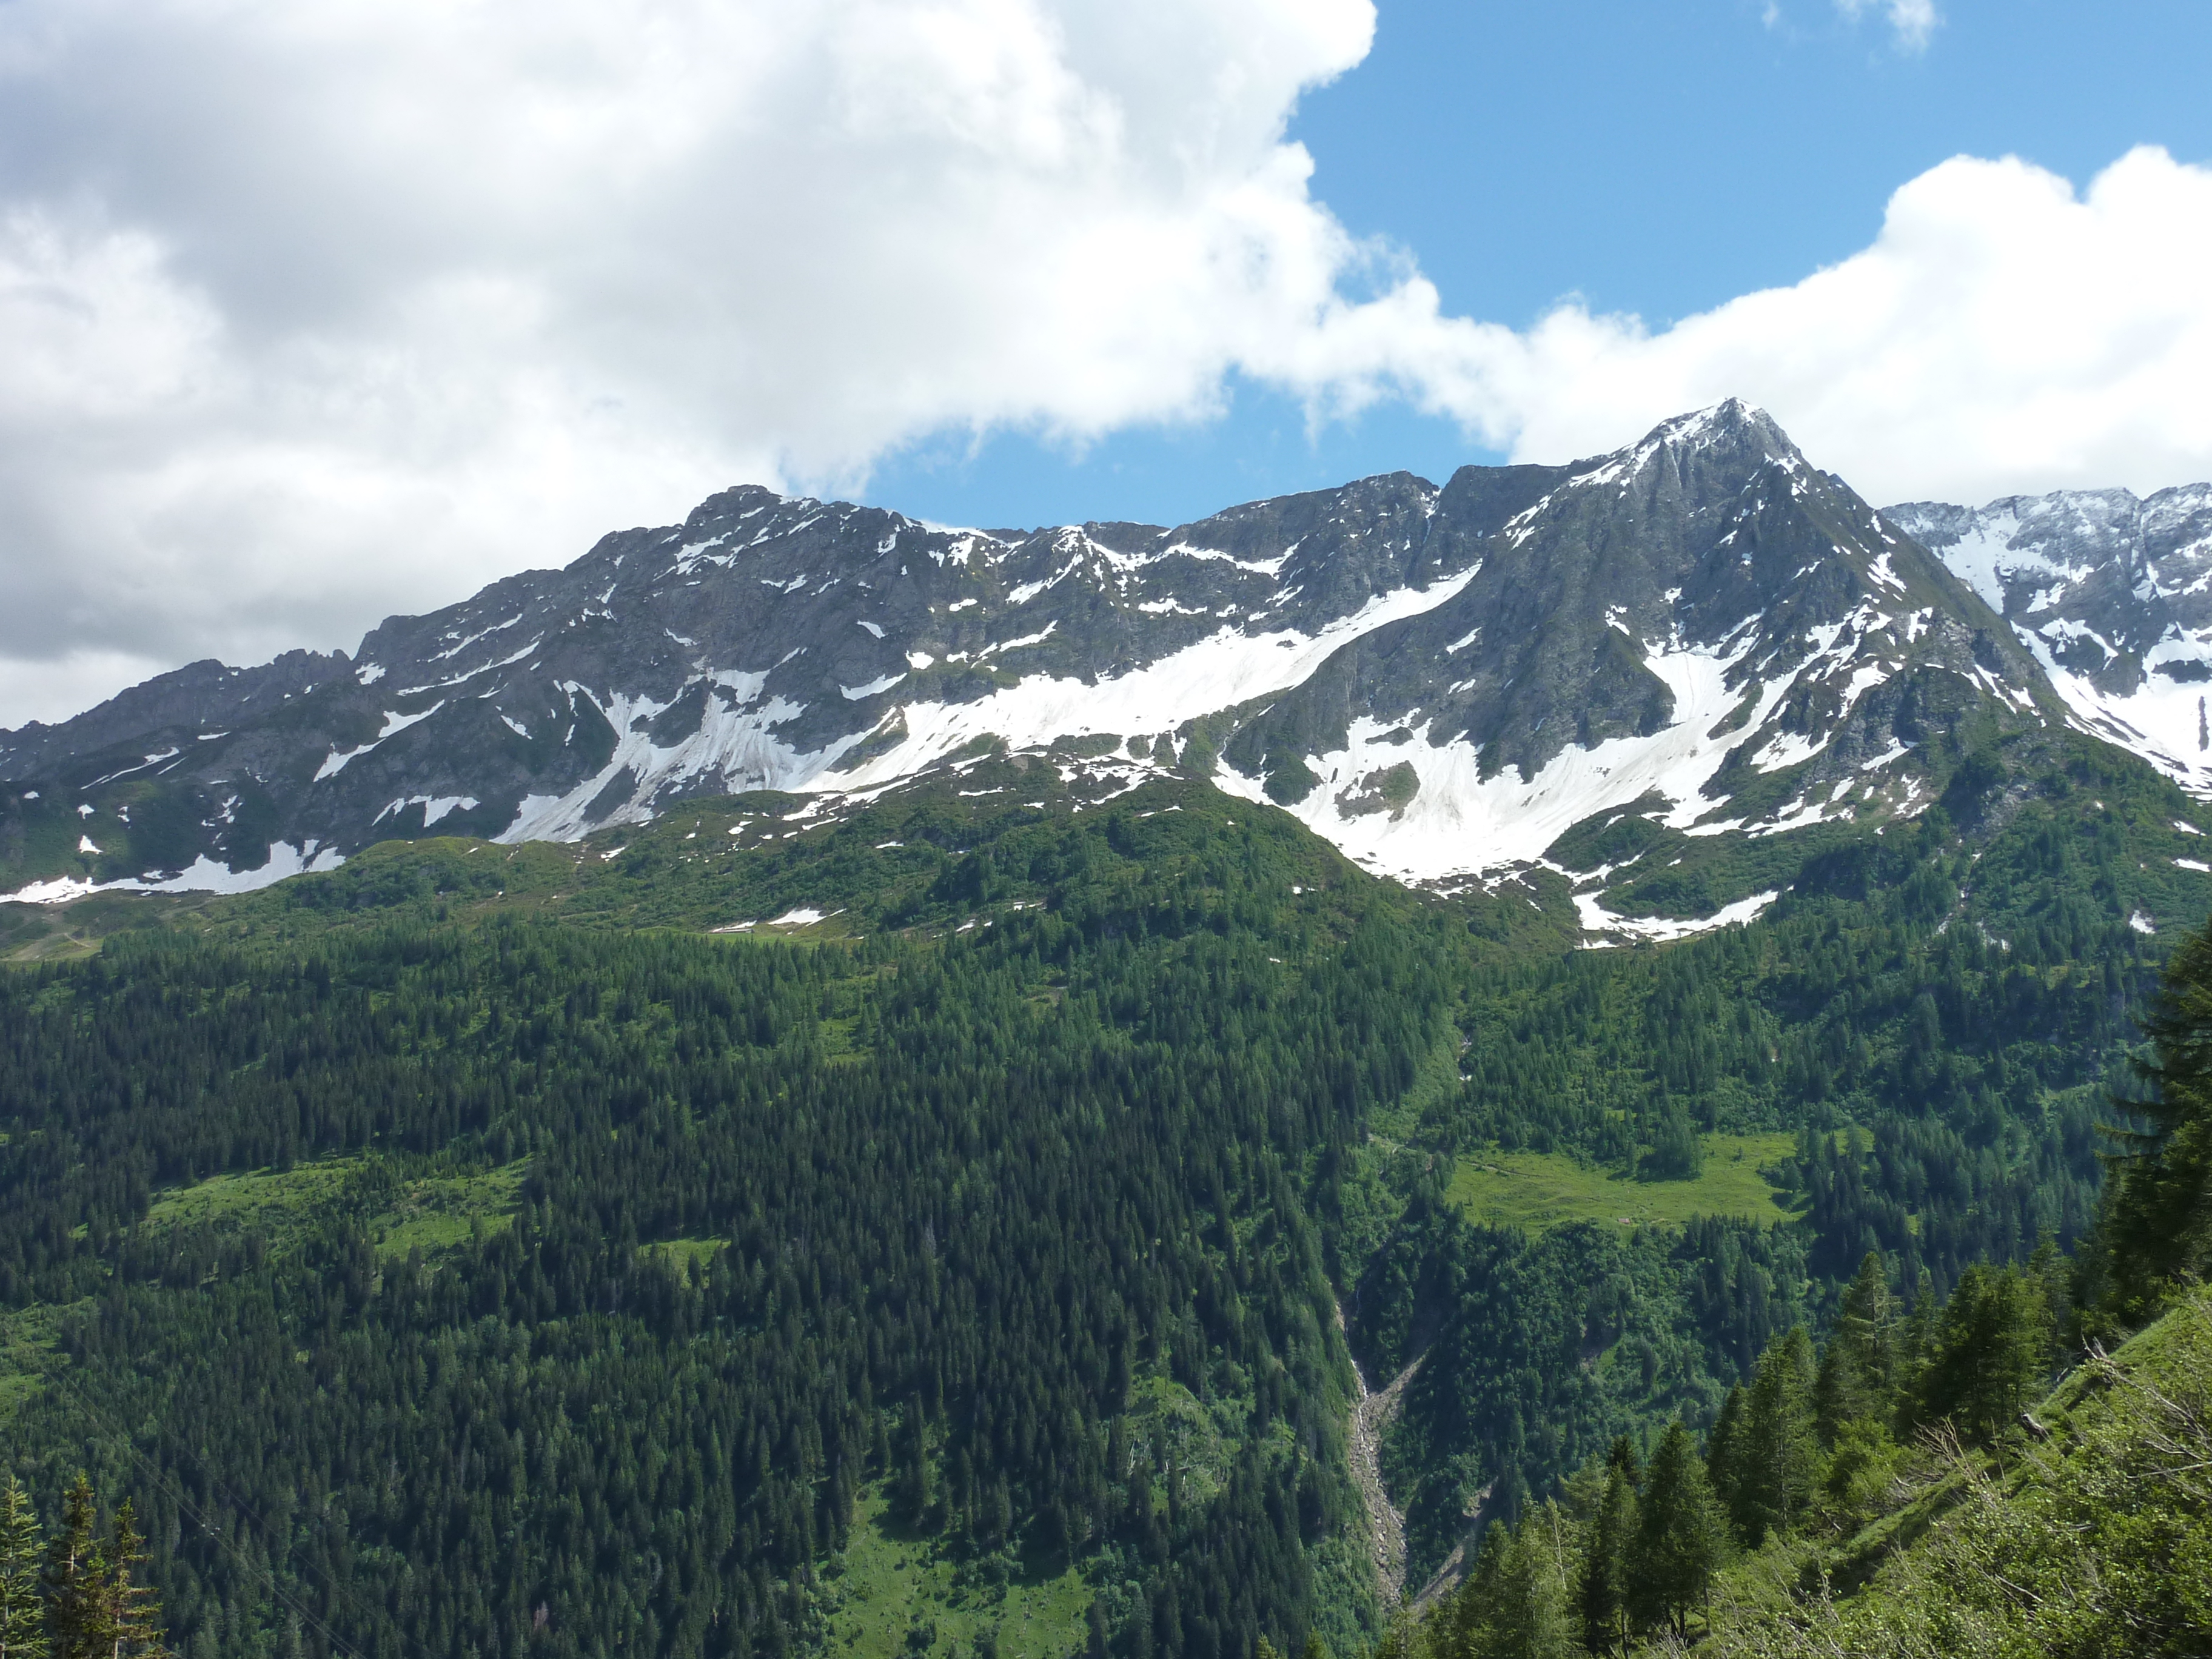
2112	594
1703	632
1706	627
764	643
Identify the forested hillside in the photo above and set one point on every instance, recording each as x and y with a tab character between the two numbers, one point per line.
1915	1493
927	1232
1963	1475
986	1221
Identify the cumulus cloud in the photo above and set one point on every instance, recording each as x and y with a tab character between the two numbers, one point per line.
311	313
2003	333
315	312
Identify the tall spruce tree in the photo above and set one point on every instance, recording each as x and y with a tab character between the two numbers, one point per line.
1602	1596
22	1608
1774	1462
1515	1599
1916	1346
2156	1226
81	1608
1680	1537
1721	1444
134	1607
1839	1394
1989	1352
1866	1323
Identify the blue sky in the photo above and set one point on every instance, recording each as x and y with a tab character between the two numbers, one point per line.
1659	160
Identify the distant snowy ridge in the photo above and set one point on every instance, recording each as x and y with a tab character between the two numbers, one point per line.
2113	595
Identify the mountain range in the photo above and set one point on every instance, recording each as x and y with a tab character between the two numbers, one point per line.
1593	672
835	1085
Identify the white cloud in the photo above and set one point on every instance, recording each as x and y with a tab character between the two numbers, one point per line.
2002	334
311	313
1913	20
314	312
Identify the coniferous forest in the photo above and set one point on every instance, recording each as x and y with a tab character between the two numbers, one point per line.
484	1251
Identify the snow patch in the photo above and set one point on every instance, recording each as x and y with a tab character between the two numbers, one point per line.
1461	823
205	876
2163	720
335	762
861	693
1596	919
434	807
1227	668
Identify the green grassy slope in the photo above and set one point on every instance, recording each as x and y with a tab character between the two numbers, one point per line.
2097	1540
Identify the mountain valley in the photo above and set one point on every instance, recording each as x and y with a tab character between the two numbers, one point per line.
811	1083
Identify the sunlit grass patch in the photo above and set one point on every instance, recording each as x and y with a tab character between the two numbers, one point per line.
28	1337
681	1253
892	1594
265	1200
1536	1190
429	1212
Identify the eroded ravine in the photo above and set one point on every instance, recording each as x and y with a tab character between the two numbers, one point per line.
1386	1523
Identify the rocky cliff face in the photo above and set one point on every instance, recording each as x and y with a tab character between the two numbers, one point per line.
1702	636
1704	627
2112	594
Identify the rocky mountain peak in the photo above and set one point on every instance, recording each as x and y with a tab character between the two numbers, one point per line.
1702	625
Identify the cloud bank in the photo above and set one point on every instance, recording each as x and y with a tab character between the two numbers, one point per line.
313	314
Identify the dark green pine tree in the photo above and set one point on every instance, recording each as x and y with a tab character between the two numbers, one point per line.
1839	1394
1988	1354
1676	1153
916	1489
22	1608
1916	1346
1774	1463
2156	1226
1721	1445
1680	1537
134	1609
1867	1327
1601	1597
1512	1606
81	1613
